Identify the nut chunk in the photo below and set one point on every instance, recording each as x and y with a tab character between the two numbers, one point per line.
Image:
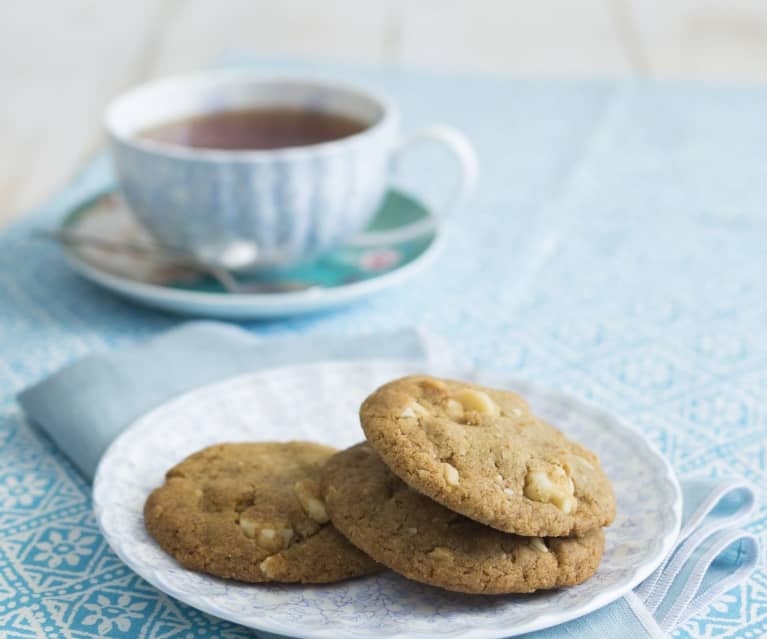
551	487
308	494
478	401
536	543
452	476
270	536
440	553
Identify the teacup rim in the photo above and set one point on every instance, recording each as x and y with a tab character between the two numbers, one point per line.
389	112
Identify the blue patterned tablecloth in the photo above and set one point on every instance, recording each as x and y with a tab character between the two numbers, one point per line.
616	248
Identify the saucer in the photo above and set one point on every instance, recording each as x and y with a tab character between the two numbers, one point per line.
342	276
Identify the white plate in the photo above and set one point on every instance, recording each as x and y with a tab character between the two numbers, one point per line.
320	402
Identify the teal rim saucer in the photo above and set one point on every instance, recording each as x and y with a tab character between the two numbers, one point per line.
342	275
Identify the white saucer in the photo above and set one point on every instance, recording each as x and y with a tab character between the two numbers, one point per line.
320	402
347	274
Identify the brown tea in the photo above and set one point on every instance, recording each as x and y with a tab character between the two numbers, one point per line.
255	129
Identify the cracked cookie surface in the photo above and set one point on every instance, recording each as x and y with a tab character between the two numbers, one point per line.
419	538
253	512
481	452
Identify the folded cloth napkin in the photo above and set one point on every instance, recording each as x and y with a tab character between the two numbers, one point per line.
85	405
711	556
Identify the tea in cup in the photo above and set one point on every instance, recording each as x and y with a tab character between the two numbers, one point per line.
278	170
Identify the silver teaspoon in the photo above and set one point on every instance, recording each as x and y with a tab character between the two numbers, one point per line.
222	274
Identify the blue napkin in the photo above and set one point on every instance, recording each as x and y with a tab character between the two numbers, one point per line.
84	406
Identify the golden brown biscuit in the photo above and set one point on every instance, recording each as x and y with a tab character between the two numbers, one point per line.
482	453
253	512
422	540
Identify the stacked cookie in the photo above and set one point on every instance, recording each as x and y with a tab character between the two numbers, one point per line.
462	487
457	486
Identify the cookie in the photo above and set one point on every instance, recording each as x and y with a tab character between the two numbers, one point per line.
481	452
420	539
253	512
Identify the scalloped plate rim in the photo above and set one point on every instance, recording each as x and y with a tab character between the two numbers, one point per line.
501	379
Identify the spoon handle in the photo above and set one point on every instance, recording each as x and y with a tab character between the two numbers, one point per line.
228	282
70	238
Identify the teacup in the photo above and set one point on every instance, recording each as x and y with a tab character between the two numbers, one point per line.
261	207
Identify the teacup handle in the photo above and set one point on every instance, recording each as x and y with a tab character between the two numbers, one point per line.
466	157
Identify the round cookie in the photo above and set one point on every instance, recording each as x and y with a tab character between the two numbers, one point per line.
253	512
482	453
422	540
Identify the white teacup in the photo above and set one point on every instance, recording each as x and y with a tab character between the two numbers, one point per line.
261	207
